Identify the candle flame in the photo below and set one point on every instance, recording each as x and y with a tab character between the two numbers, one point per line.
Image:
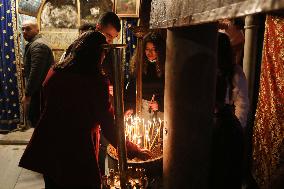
144	133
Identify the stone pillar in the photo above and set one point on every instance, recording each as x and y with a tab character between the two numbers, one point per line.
250	50
189	100
249	68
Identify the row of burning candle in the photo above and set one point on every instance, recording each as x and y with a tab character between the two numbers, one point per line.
143	133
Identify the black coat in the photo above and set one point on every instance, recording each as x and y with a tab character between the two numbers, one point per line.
227	151
38	58
152	84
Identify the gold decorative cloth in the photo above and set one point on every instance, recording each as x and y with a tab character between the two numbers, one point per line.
268	131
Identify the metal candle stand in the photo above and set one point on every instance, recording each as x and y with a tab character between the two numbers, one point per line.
140	32
116	53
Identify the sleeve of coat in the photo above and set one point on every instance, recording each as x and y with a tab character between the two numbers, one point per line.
106	117
39	63
108	127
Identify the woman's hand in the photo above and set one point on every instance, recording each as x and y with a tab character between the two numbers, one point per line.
153	105
134	151
144	154
128	113
110	90
26	100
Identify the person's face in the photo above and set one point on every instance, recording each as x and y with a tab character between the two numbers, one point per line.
109	32
29	31
150	51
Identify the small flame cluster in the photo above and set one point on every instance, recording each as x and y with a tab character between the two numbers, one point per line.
143	133
136	179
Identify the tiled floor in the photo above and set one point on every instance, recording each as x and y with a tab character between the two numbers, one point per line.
12	176
29	180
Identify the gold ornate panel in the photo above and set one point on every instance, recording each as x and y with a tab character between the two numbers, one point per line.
59	20
60	38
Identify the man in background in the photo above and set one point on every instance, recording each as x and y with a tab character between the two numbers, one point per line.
38	58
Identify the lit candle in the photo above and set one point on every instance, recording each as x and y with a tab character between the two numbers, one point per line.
157	133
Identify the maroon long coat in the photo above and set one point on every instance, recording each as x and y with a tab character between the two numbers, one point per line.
64	145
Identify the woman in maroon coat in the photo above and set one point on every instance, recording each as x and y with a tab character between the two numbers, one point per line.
64	145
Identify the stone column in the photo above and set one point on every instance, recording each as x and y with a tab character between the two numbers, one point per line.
250	50
249	66
189	100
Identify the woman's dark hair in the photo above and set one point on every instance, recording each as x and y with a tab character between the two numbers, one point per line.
225	54
225	67
239	22
84	54
159	45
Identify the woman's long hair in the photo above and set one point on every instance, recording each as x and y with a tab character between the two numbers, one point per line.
159	45
225	67
84	54
160	48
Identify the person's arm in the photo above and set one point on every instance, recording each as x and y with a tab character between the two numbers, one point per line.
160	101
109	129
39	61
240	96
134	151
106	117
